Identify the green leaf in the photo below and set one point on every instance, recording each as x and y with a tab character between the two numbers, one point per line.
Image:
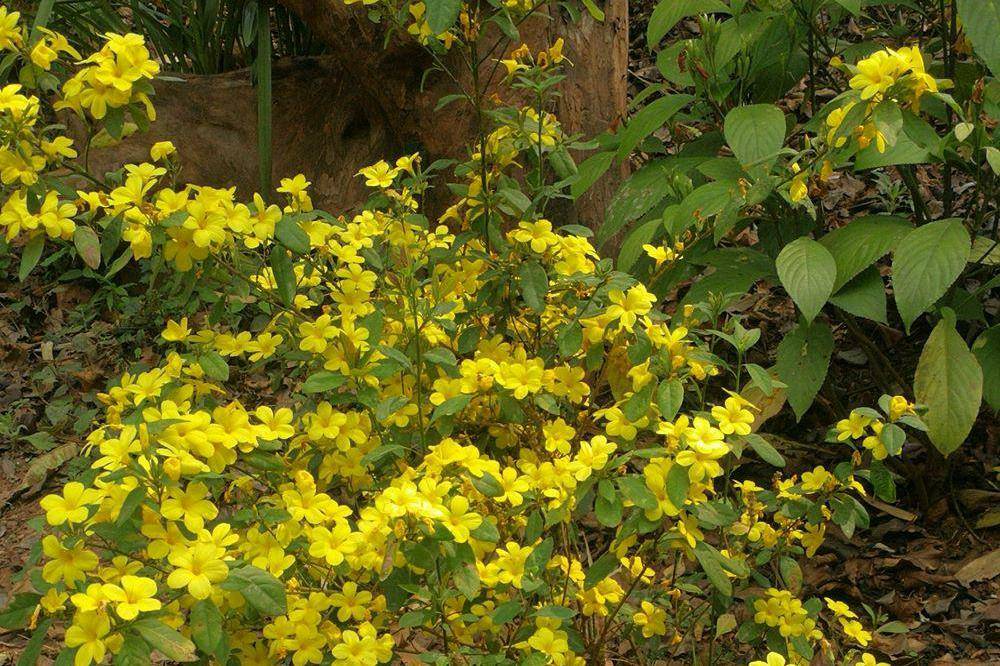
765	450
853	6
284	274
134	652
466	580
981	24
261	590
534	285
634	489
949	382
711	564
791	574
30	255
589	171
864	296
755	133
631	249
861	242
323	381
442	14
207	631
569	339
506	612
88	246
652	117
669	396
169	642
291	235
803	359
925	264
678	484
807	271
668	12
644	189
33	648
214	365
600	569
607	506
441	356
640	402
987	351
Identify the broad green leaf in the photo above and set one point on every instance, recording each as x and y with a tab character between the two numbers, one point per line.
600	569
323	381
803	360
735	270
291	235
88	245
644	189
634	489
987	351
765	450
214	365
926	262
168	642
284	274
207	632
534	285
669	396
442	14
949	382
30	255
134	651
261	589
981	24
710	561
668	12
589	171
807	271
755	133
631	250
864	296
652	117
853	6
678	484
861	242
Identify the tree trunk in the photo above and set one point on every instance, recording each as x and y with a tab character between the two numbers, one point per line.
366	101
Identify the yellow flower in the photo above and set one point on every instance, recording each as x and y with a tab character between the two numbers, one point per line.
176	331
651	619
72	507
876	74
134	595
161	149
197	568
67	564
628	306
379	175
772	659
88	634
856	631
868	659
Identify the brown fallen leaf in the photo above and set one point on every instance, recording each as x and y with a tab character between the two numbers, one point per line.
984	567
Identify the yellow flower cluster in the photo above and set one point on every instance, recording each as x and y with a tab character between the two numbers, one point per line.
881	85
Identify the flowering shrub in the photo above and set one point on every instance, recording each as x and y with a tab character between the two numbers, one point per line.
483	444
776	112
